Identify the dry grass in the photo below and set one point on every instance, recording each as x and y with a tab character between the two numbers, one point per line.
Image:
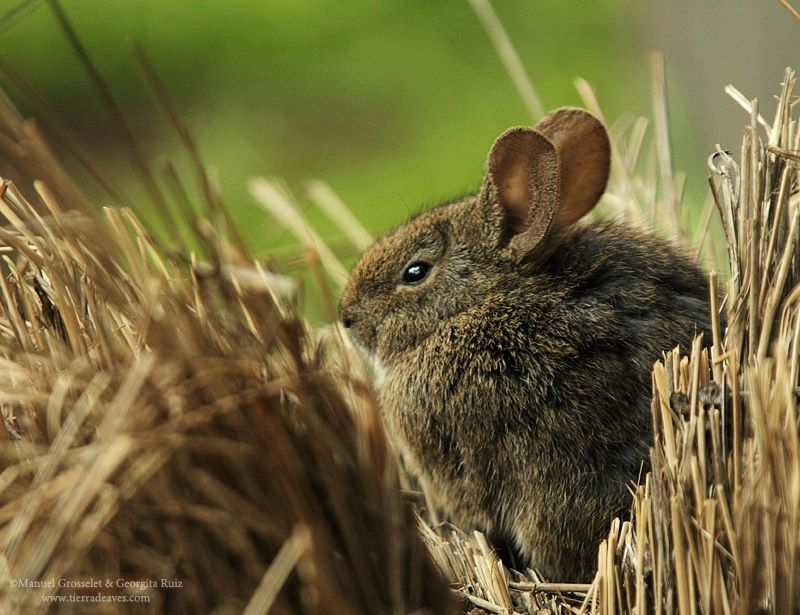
716	527
171	415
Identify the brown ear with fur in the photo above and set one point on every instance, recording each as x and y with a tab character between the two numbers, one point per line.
523	171
584	153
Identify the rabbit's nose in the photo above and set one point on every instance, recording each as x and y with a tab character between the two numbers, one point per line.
347	318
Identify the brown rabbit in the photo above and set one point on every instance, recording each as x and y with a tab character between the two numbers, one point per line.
514	346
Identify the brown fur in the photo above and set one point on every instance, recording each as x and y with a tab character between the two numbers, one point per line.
516	376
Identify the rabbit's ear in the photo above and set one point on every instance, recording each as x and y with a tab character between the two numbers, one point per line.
584	152
523	172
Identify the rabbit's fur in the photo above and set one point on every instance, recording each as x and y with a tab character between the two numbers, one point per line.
515	377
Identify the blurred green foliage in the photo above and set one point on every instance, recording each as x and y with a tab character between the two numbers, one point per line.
393	103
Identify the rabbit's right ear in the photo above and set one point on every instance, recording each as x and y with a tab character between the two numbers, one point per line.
522	186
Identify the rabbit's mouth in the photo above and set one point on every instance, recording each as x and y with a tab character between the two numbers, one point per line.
378	369
365	339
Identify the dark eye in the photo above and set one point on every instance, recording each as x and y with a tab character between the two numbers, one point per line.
416	272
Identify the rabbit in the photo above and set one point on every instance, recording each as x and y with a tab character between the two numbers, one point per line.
513	345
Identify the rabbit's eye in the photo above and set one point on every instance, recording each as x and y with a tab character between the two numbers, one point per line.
416	272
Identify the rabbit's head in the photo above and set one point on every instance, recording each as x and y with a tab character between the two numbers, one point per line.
539	181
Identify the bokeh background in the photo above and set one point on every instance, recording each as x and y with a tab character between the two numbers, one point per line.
393	103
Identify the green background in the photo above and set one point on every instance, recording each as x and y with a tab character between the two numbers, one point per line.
393	103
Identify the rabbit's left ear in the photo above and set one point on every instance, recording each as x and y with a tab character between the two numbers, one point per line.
584	153
522	181
543	179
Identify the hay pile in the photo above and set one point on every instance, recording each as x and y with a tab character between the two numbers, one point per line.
175	435
716	527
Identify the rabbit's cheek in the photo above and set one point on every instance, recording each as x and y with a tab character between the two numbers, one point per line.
367	337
